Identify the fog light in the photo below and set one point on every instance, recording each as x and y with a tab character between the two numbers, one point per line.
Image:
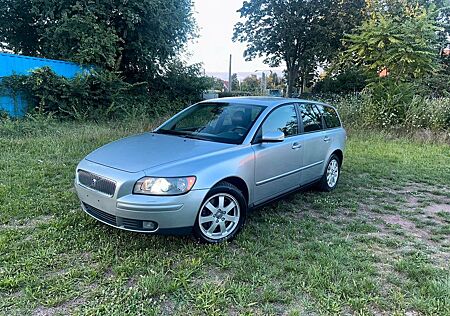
149	225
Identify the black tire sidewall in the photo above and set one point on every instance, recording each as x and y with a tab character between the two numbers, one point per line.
324	183
237	194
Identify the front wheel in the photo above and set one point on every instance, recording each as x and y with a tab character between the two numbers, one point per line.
221	215
331	176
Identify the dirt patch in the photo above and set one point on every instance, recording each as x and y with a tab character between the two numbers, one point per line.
217	276
412	201
64	309
167	306
131	283
436	208
28	224
406	225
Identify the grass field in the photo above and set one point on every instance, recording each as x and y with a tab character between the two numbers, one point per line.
379	244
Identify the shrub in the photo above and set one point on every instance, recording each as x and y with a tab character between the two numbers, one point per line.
347	81
103	94
88	95
431	113
361	111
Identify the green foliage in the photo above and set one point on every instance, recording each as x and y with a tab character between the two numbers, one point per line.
401	38
251	84
299	33
431	113
413	112
136	37
241	93
235	84
437	85
405	45
350	80
104	95
214	83
79	37
274	82
180	81
89	95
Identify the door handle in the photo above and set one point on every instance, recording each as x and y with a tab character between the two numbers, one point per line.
296	145
326	139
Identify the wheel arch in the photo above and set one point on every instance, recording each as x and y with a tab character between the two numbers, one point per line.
339	154
238	183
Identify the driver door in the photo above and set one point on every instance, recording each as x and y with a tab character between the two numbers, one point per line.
278	165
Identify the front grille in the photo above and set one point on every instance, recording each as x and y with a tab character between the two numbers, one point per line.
96	182
99	214
127	223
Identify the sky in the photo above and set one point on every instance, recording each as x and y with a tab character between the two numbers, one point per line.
215	21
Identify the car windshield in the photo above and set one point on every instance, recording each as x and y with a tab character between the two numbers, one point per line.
219	122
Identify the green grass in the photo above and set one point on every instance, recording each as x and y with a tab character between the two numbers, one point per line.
364	248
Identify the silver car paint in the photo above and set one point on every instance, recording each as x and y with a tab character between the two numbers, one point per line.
268	169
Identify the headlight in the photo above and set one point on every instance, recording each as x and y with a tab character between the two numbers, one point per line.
164	186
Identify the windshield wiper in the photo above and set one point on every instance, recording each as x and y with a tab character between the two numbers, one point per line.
181	134
170	132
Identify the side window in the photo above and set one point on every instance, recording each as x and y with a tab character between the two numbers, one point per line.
331	118
311	117
282	119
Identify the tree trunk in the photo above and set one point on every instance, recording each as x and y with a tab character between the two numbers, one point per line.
302	81
292	77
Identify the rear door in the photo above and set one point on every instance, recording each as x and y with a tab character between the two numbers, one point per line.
277	165
316	141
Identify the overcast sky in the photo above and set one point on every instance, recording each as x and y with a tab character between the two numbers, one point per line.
215	20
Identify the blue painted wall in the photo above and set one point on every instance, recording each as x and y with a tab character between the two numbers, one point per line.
11	64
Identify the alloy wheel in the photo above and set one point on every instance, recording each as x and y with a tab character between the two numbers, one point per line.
332	173
219	216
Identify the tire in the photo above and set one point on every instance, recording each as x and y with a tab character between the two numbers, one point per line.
221	215
333	169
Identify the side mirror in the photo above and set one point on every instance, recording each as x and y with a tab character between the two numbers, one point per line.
273	137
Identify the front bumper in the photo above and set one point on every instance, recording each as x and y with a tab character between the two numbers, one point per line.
171	214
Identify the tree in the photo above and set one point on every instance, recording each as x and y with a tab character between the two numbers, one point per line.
214	83
251	84
350	80
300	33
235	85
136	36
405	45
273	81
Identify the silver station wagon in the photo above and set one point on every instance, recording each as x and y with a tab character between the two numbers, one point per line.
202	170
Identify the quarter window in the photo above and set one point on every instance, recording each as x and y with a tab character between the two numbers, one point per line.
311	117
331	118
282	119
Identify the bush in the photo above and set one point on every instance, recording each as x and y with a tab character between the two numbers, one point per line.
430	113
227	94
362	111
103	94
348	81
88	95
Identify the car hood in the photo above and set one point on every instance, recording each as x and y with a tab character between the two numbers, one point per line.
145	151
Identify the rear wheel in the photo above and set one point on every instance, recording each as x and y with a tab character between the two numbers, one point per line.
331	176
221	215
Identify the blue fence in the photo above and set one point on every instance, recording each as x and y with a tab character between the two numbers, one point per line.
10	64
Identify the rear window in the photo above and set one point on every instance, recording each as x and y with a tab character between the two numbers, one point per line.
331	118
311	117
282	119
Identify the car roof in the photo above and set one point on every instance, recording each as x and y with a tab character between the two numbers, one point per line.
264	101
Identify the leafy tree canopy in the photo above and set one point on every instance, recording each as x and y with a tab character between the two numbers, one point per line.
251	84
405	43
297	32
134	36
235	85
